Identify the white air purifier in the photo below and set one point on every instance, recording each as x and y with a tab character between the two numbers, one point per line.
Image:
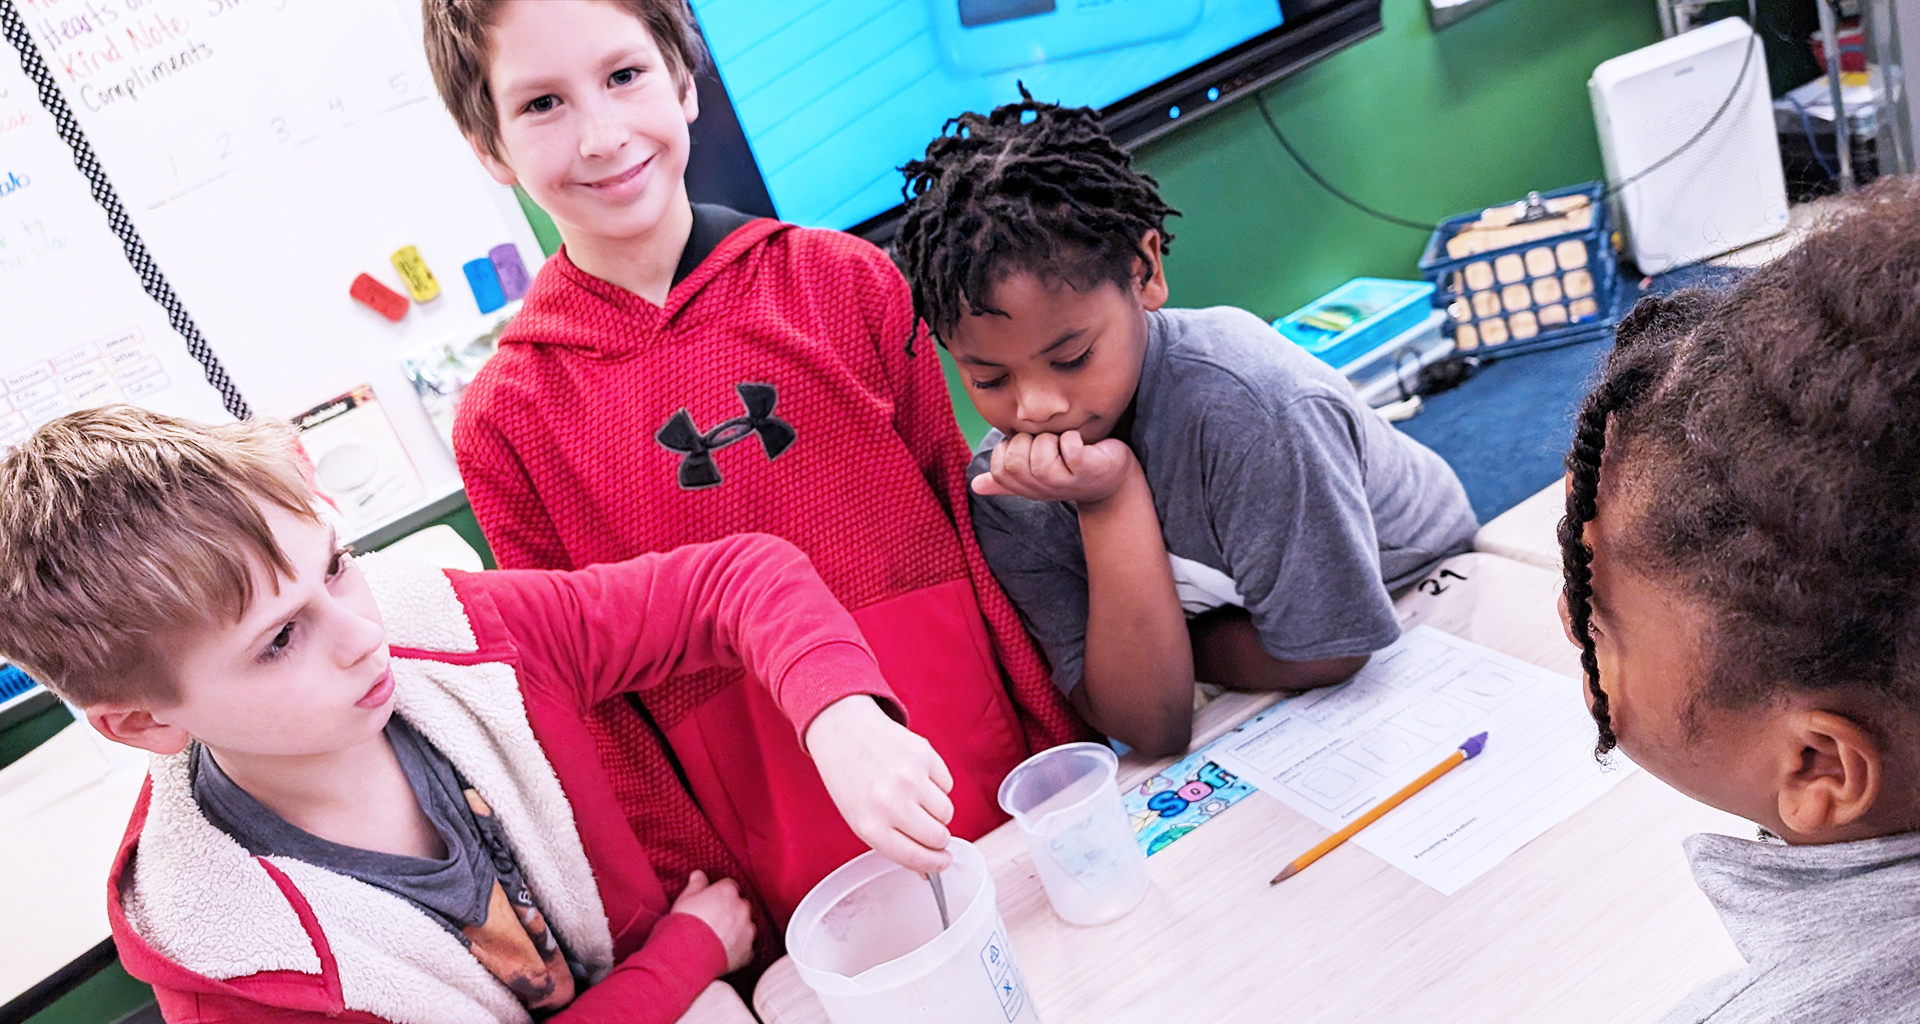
1724	191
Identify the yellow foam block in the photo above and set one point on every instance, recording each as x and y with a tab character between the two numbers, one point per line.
414	271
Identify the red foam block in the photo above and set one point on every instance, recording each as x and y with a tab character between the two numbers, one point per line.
379	298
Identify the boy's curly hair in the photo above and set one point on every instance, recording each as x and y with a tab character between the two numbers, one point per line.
1770	440
459	53
1032	186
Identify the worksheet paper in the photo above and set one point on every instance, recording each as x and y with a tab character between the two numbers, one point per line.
1332	754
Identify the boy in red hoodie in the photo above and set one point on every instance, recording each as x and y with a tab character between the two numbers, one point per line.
679	373
374	797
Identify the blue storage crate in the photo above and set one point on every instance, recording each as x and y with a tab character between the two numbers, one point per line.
14	683
20	697
1483	298
1356	318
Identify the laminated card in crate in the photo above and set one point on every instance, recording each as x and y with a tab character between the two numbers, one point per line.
1527	275
1356	318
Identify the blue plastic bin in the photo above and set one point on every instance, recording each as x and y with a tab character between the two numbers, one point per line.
14	683
1452	288
1376	311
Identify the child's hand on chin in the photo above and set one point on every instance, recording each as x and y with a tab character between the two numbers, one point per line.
1057	467
889	784
724	910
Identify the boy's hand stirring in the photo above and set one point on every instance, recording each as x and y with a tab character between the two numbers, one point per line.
889	784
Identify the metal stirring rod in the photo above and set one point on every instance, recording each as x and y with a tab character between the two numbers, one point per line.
940	899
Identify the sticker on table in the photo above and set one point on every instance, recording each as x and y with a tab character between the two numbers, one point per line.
1184	797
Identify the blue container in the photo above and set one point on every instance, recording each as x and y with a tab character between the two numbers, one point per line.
484	278
1356	318
14	683
1547	320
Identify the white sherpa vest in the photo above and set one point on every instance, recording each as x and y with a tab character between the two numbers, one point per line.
199	898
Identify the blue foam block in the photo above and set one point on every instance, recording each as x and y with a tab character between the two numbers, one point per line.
485	282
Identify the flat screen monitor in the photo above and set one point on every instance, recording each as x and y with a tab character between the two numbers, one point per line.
816	103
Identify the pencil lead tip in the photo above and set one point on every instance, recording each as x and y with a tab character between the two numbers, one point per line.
1474	746
1285	873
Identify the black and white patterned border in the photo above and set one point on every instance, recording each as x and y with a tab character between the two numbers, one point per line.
151	278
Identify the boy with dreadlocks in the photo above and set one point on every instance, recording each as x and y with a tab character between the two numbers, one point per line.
1742	541
1149	461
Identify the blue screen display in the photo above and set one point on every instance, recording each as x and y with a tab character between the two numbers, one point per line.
834	95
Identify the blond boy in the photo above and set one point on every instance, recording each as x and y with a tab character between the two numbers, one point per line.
373	797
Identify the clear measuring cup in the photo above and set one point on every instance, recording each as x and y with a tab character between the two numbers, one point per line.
1067	803
868	941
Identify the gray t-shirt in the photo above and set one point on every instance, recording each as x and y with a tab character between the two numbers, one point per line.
477	891
1277	490
1829	933
456	890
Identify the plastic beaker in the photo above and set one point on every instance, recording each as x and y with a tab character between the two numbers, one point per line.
1068	805
868	941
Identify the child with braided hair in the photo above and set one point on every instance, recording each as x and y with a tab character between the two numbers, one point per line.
1741	546
1150	464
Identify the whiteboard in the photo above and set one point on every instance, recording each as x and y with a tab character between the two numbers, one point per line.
268	152
77	329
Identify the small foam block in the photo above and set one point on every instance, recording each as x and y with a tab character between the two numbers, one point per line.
379	298
513	273
485	282
413	271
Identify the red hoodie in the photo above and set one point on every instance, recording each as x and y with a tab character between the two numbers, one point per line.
772	392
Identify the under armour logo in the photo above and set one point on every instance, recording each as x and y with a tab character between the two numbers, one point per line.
697	470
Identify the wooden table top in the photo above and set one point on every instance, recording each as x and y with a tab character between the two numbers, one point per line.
1596	921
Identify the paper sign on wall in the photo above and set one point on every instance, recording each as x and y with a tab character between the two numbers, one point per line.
358	462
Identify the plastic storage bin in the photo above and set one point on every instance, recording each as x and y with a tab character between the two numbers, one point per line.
1356	318
1534	294
20	697
1392	372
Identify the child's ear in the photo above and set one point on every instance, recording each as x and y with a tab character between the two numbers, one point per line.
689	97
495	166
136	727
1832	778
1150	277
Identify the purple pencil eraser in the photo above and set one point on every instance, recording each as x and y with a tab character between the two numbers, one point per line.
1474	746
513	273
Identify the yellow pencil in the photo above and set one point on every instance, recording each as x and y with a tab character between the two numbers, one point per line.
1467	751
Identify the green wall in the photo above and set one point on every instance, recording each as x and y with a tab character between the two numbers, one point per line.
1418	123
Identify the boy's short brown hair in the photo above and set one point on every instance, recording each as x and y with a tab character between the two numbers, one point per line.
118	526
460	53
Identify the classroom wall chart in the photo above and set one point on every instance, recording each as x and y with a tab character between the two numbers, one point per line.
269	153
79	328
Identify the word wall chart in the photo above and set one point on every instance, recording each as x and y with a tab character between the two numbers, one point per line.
77	329
269	152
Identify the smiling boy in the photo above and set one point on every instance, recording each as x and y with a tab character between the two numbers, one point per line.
374	797
679	373
1149	462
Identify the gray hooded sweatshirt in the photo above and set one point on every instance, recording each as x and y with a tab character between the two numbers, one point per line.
1830	933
